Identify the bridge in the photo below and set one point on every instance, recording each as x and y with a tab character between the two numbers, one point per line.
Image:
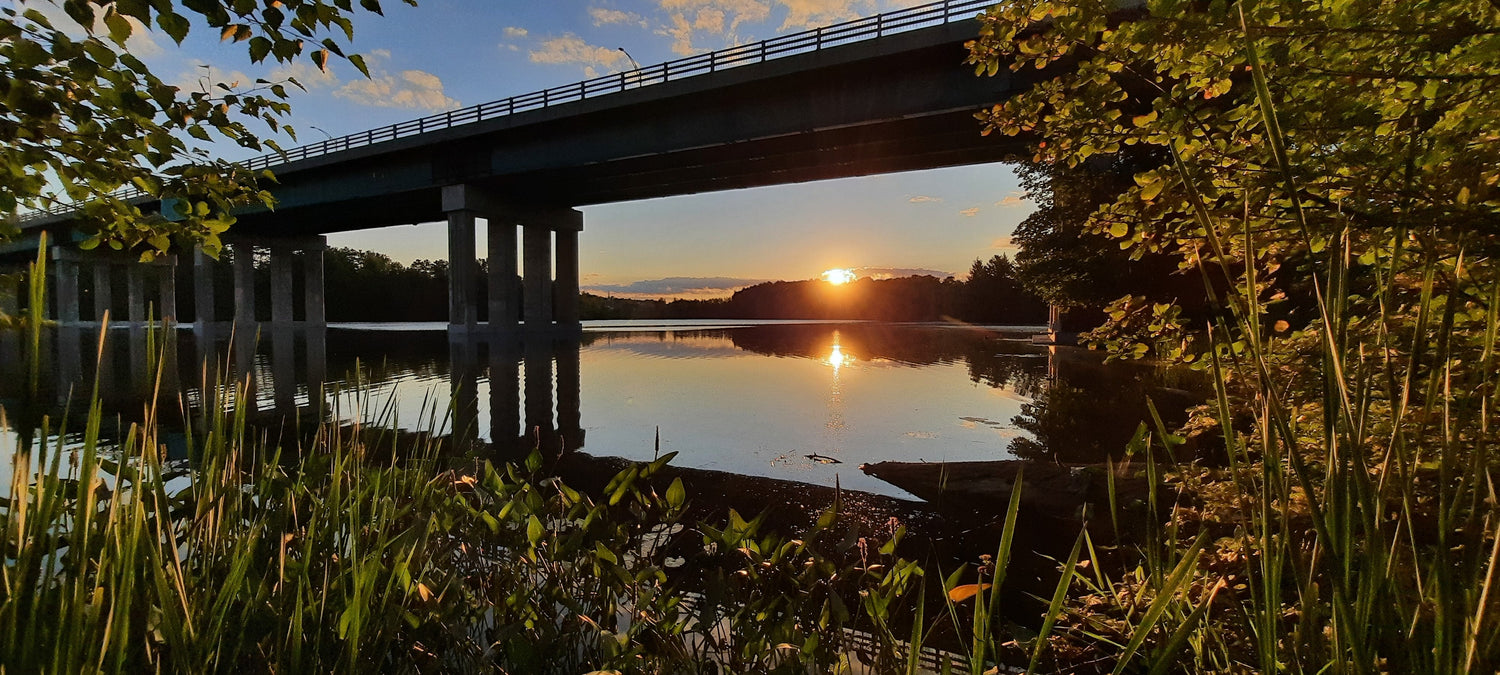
882	94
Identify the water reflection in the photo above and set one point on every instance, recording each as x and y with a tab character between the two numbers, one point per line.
792	402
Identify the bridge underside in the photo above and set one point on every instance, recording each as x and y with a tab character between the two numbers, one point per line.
889	147
897	103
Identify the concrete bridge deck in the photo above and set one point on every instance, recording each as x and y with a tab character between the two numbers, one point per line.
883	94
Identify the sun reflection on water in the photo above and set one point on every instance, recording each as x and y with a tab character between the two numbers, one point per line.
836	356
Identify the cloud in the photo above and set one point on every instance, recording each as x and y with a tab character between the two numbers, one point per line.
879	273
1013	199
141	42
515	32
604	16
813	13
1004	244
924	199
969	213
416	89
678	287
687	19
573	50
308	75
204	76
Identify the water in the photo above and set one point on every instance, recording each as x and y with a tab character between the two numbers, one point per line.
801	402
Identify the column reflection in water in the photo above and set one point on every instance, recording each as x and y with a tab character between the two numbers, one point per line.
463	354
536	381
506	436
274	354
284	369
539	399
69	362
569	394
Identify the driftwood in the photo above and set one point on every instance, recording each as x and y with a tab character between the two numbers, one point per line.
985	487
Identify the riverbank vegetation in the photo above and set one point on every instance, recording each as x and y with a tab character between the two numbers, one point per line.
374	288
1328	170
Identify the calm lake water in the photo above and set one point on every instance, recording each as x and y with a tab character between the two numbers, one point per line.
789	401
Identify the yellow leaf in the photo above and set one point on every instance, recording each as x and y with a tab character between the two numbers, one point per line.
966	591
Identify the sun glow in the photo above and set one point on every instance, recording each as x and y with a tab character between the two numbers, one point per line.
838	277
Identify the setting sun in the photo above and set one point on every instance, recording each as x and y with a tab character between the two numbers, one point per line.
838	276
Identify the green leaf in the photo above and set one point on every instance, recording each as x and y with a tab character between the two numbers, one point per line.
260	46
359	63
1150	190
534	530
174	25
119	27
676	494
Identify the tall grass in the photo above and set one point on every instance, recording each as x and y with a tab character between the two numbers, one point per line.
1355	528
349	547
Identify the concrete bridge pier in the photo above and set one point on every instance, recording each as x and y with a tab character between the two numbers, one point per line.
11	283
68	271
551	299
12	280
289	259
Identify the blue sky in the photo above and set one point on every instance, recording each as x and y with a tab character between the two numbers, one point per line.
451	53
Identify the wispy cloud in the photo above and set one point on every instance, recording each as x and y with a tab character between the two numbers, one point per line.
604	16
416	89
687	20
879	273
573	50
969	213
675	287
811	13
515	32
924	199
1013	199
1004	244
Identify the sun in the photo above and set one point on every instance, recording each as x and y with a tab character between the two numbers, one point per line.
838	277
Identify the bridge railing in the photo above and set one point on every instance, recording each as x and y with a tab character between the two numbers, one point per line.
879	25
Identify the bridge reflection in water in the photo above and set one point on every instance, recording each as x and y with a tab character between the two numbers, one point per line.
535	395
532	388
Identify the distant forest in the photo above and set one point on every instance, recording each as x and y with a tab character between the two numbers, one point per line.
992	294
364	286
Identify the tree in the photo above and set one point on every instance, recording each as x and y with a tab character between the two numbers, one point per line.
1304	124
1332	168
81	117
995	293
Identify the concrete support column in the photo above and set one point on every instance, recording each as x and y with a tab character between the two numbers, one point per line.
103	291
566	295
135	307
281	286
536	243
203	292
135	293
504	299
167	291
461	311
10	292
66	273
244	287
312	280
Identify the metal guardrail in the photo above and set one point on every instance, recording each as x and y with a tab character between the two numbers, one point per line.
879	25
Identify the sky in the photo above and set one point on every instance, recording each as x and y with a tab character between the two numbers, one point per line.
446	54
